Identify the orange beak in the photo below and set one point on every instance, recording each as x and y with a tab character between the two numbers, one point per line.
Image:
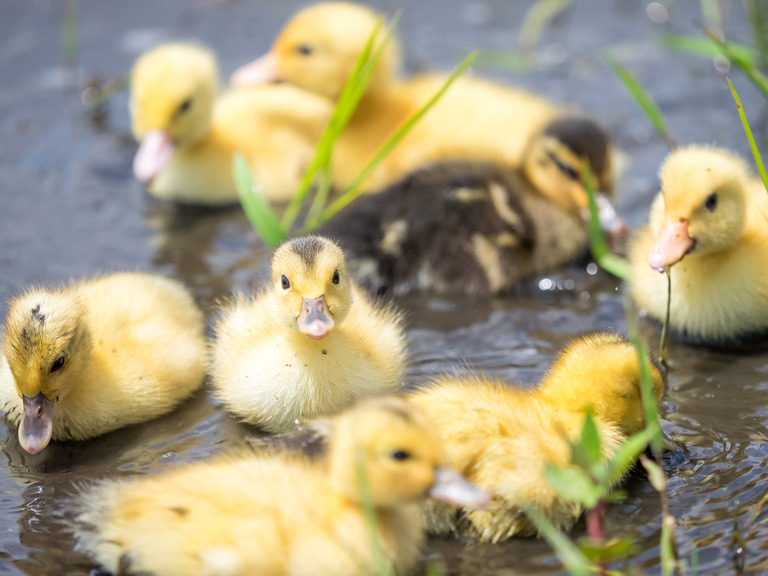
672	244
261	71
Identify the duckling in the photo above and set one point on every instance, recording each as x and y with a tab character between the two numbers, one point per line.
188	133
485	228
278	514
309	345
97	355
501	437
474	120
708	224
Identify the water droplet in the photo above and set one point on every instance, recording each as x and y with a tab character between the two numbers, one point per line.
591	268
555	53
721	64
546	284
657	12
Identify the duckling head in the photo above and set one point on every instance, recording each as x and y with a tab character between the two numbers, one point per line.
387	445
702	208
46	344
173	88
312	291
317	51
602	372
554	165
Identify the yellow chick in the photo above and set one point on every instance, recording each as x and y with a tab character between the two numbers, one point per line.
187	133
486	228
501	437
276	514
474	120
86	359
308	346
709	224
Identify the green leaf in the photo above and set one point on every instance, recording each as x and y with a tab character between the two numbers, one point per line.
655	473
536	18
614	549
649	397
256	208
647	104
614	264
572	558
755	76
750	137
355	188
586	452
707	49
574	485
628	453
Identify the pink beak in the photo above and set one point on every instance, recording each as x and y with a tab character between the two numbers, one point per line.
672	244
261	71
154	153
314	319
36	423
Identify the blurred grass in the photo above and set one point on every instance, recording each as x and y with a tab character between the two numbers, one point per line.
750	136
536	18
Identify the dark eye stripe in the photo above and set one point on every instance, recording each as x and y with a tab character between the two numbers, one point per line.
569	171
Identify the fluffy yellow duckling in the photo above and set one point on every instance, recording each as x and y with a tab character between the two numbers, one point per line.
709	224
501	437
309	346
98	355
187	133
486	228
474	120
276	515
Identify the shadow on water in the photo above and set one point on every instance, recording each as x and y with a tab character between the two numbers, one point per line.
70	208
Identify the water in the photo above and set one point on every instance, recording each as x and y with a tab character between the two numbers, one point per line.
70	208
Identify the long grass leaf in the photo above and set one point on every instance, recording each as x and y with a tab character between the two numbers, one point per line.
568	553
614	264
706	48
755	76
355	188
748	132
536	18
256	208
646	103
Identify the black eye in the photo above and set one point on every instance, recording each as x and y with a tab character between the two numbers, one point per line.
335	278
566	169
285	283
184	106
304	50
711	202
58	364
400	455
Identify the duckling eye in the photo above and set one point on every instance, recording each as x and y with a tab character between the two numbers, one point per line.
335	278
285	283
184	106
58	364
569	171
711	202
400	455
304	50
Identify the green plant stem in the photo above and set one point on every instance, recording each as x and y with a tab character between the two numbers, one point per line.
757	77
750	137
355	188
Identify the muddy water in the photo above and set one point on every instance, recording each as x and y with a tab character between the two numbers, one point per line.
69	207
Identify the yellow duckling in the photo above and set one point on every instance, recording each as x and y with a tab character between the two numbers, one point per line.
486	228
187	133
275	515
98	355
709	224
309	346
501	437
474	120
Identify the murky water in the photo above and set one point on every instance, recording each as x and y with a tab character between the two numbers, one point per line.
69	207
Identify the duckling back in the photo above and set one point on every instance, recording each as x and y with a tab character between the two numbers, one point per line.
99	355
455	227
309	345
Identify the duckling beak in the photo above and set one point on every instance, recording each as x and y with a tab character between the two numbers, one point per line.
315	320
154	154
611	223
36	423
673	243
261	71
453	488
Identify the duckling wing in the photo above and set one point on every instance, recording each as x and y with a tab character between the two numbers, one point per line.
448	228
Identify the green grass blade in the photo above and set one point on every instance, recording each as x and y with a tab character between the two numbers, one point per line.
710	9
614	264
536	18
256	208
354	190
647	104
646	388
755	76
568	553
758	20
706	48
748	132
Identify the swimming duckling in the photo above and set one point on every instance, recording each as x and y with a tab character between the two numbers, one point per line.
98	355
279	514
188	133
501	437
308	346
475	228
474	120
709	224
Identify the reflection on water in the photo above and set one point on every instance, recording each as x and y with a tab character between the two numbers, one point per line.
70	208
